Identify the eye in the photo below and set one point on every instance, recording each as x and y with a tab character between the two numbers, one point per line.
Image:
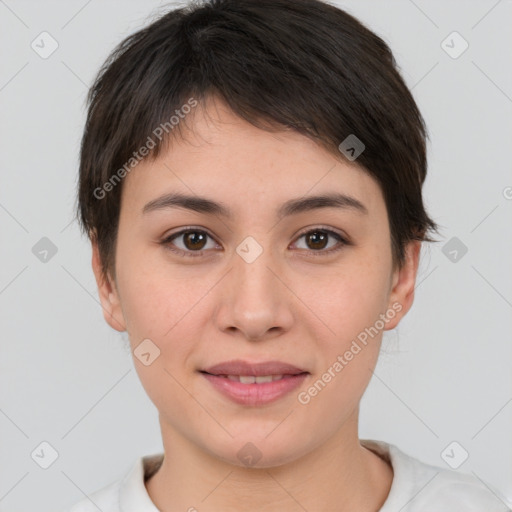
192	239
317	240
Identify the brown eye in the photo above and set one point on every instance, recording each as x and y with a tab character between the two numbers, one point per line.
192	242
317	241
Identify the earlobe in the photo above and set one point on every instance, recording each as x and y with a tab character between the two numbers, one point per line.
109	297
404	282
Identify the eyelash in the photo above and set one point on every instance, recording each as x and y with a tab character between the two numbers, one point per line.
194	254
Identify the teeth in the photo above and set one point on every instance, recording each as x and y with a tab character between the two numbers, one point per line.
251	379
264	378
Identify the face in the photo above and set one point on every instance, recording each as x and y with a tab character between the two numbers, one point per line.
303	287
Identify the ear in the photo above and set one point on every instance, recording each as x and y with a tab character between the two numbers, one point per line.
403	283
109	296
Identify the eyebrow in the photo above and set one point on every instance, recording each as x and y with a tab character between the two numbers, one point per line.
290	207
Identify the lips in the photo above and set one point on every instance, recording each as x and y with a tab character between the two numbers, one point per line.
254	384
238	368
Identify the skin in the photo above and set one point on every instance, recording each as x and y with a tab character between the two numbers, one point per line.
291	304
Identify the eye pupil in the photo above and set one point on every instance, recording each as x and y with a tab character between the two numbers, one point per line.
194	237
315	236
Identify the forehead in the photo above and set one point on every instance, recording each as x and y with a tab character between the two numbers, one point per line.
220	155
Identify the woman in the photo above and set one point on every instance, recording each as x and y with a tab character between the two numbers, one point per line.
251	181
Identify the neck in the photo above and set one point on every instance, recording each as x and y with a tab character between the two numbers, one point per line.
339	475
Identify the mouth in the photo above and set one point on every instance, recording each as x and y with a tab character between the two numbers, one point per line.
241	368
253	379
254	384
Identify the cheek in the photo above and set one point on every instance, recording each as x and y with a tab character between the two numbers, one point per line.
347	306
154	295
347	345
162	310
156	307
348	300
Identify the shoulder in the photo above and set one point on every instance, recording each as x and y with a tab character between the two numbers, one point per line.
418	486
453	490
105	499
128	494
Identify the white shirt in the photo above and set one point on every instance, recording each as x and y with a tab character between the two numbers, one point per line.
416	487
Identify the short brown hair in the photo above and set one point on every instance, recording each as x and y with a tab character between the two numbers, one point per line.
300	64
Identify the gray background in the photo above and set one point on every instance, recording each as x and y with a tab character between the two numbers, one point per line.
65	378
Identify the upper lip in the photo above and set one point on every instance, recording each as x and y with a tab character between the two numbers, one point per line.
240	367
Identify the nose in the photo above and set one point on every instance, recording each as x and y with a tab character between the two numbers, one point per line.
255	300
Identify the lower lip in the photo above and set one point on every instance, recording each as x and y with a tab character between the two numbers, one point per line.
255	394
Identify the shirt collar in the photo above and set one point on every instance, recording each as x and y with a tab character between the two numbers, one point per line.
133	495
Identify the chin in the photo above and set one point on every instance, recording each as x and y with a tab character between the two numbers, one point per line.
258	452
